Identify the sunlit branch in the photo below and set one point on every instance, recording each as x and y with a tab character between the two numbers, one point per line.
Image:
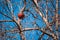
56	14
44	19
20	30
35	2
42	30
22	10
19	25
28	29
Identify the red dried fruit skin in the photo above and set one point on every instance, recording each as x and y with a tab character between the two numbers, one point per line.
20	15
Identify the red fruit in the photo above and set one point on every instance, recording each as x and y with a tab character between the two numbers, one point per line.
21	15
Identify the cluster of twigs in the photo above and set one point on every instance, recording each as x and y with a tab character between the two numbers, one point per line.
45	19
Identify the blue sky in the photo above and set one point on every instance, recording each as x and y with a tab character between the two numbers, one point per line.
27	21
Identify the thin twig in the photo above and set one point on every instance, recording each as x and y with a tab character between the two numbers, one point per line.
6	21
44	19
41	36
10	8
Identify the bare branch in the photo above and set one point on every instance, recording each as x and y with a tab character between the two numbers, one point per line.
56	14
19	25
12	30
41	36
44	19
6	21
35	1
28	29
23	6
46	10
42	30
